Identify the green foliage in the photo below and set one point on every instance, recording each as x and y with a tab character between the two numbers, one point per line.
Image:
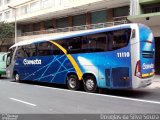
6	31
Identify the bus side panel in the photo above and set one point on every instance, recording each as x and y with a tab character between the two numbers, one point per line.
51	69
112	69
87	63
120	71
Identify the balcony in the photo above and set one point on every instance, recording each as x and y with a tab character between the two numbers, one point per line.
75	28
36	34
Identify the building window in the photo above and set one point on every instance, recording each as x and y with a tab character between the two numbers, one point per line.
36	27
57	2
62	22
35	6
26	28
48	24
79	20
7	14
46	3
121	11
0	2
7	1
24	9
98	17
152	8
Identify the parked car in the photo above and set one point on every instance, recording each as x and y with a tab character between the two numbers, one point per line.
3	57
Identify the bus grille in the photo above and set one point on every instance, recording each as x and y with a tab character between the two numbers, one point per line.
120	77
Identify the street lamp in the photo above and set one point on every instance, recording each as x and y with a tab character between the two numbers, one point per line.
14	8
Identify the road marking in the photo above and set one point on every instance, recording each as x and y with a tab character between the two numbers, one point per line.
111	96
23	102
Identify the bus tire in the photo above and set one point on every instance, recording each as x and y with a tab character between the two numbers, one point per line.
90	84
73	82
17	77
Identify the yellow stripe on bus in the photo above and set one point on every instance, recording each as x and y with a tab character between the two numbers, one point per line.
71	59
148	74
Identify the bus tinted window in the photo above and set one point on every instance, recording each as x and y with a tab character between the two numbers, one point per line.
100	42
94	43
56	50
30	50
21	52
45	48
74	45
120	38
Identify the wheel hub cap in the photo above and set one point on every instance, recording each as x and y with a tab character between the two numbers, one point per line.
90	84
72	83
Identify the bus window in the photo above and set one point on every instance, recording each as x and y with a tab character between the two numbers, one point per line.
30	50
95	43
74	45
119	39
21	53
56	50
45	48
101	43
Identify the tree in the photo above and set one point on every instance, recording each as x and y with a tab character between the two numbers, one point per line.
6	32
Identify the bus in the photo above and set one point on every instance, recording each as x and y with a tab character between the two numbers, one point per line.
3	57
117	57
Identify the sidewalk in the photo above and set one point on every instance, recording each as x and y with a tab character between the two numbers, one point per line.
156	83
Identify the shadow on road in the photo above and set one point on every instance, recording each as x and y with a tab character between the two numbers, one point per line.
139	93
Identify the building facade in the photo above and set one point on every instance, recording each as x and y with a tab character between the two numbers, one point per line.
37	18
148	12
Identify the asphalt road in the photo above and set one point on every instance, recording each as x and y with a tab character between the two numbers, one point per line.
32	98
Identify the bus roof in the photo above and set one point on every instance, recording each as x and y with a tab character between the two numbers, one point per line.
71	34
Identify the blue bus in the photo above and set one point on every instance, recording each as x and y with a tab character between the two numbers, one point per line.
118	57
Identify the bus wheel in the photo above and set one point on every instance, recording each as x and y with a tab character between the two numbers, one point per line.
17	77
73	82
90	84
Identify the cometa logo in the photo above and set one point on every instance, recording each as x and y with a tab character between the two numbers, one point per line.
32	62
147	66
